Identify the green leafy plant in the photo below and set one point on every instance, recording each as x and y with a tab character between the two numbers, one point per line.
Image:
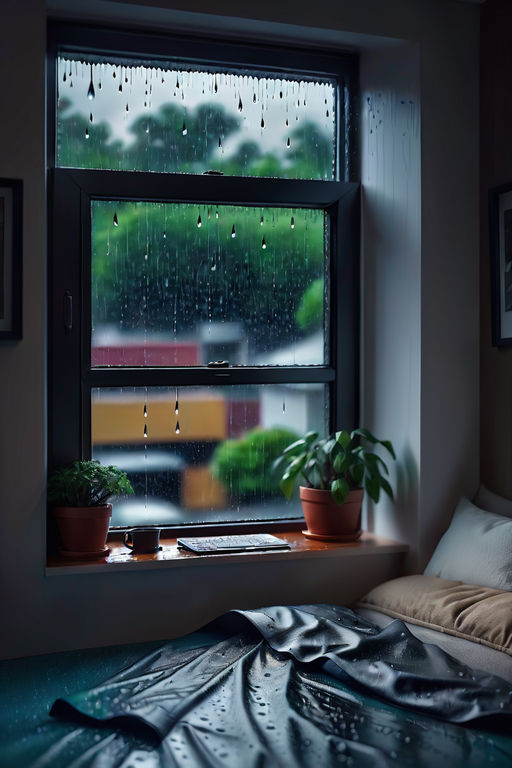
339	463
86	484
244	465
310	313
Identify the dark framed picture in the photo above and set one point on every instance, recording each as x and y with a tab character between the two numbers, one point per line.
11	256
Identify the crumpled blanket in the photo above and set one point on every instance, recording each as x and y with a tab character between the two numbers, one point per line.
265	696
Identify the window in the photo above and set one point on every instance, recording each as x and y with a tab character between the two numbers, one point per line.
204	278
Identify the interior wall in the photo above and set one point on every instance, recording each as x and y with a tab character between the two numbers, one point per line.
495	169
424	277
391	276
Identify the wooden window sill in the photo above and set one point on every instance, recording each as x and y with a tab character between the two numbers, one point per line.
121	560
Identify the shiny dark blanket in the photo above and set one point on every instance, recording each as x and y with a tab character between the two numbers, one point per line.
300	686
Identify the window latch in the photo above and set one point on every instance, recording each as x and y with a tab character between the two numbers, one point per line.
68	312
218	364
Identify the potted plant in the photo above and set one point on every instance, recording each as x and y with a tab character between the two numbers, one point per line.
80	494
335	471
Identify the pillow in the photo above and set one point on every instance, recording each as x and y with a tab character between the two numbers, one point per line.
475	613
476	549
486	499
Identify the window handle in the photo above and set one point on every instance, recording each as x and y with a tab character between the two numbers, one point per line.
68	312
218	364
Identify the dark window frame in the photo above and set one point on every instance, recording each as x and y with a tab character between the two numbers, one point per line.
71	190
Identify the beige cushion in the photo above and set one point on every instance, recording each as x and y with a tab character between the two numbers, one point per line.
480	614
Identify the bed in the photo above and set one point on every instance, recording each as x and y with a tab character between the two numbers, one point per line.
419	673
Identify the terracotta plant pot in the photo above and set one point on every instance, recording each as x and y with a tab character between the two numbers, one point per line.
83	529
327	520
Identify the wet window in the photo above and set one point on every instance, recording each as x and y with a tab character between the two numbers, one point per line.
203	454
183	284
172	119
203	267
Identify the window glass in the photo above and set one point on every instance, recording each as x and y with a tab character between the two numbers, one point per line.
177	284
168	118
203	454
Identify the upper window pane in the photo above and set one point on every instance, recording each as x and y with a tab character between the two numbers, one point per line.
179	284
168	118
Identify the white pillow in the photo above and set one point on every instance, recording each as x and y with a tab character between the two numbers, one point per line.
486	499
476	549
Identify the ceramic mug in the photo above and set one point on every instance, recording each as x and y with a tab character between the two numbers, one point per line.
143	540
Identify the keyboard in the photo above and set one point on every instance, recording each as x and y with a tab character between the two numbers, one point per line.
238	543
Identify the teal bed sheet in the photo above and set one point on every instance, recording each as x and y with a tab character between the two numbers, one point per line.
321	720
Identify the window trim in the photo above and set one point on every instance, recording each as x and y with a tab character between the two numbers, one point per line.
70	193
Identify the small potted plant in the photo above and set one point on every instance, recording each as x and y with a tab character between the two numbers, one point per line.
335	471
80	494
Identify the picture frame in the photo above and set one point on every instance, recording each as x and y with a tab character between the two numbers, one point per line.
11	257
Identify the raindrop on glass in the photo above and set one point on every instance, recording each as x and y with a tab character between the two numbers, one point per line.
90	93
199	222
288	143
184	129
262	122
177	428
233	231
86	133
64	77
116	223
215	86
176	404
145	430
292	223
145	411
216	214
261	221
284	406
177	83
220	143
254	99
240	105
263	243
127	108
91	120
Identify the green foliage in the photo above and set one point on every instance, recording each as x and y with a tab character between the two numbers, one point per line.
86	484
131	294
244	465
310	312
249	282
338	463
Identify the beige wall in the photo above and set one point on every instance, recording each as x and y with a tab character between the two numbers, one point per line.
420	377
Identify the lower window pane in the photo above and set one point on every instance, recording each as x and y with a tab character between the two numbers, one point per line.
202	454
